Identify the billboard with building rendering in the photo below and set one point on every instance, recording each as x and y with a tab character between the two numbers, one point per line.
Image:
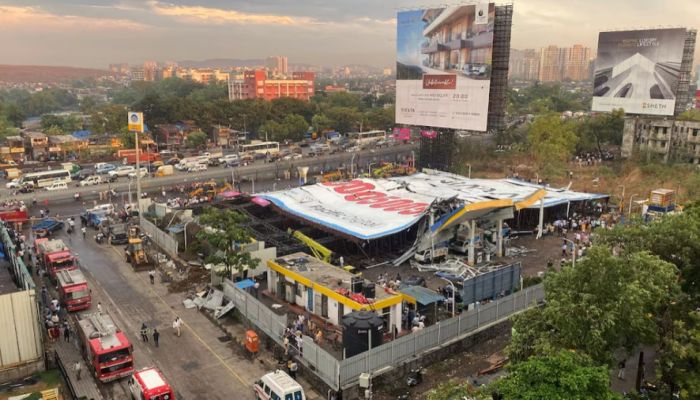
638	71
443	67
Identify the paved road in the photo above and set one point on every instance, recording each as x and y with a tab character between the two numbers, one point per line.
198	365
256	172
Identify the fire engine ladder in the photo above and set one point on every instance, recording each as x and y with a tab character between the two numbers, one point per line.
103	326
66	276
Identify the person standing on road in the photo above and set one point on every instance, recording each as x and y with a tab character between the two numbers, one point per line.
66	331
144	332
177	324
156	336
99	308
84	231
152	276
78	369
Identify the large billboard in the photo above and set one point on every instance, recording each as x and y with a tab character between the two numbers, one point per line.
638	71
443	67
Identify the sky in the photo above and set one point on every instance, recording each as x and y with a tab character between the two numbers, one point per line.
94	33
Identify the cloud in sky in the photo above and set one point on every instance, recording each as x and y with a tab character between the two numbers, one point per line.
17	18
331	32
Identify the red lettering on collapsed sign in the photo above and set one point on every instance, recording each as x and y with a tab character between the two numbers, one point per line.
364	193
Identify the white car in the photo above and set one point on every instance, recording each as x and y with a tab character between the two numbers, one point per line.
228	158
91	180
353	149
124	170
293	156
57	186
13	184
143	172
197	168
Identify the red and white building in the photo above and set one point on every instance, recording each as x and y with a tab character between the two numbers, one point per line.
256	85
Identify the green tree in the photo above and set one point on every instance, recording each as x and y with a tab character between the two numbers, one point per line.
601	129
679	357
450	390
224	234
272	131
197	140
552	141
321	123
604	304
345	119
54	130
127	138
690	115
108	119
380	118
49	120
294	127
564	375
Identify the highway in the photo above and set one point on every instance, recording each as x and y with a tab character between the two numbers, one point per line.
257	172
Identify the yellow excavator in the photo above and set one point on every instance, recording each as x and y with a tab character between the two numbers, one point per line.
210	188
320	251
135	253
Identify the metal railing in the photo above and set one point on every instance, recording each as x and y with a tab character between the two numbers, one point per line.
343	373
20	273
413	345
162	239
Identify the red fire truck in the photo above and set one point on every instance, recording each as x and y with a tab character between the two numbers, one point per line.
56	256
149	384
106	349
14	214
73	290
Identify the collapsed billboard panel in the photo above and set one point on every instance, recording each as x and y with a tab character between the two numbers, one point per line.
638	71
443	67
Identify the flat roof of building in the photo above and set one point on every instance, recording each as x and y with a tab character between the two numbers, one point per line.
328	279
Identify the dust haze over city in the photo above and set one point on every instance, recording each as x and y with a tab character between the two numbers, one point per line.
349	200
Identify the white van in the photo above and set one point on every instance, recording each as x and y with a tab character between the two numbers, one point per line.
278	386
106	208
57	186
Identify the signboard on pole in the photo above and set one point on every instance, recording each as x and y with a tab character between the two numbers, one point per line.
443	66
638	71
135	122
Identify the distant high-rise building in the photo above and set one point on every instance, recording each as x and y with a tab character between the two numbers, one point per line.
552	60
277	64
119	68
387	72
524	65
578	63
150	71
136	74
256	85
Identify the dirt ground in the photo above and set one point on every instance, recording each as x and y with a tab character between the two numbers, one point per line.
462	367
43	381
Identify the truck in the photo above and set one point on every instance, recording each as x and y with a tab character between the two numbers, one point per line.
55	256
144	156
150	384
135	254
107	351
46	227
431	254
73	290
14	214
116	234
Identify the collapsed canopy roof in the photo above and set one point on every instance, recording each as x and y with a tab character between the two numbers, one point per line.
374	208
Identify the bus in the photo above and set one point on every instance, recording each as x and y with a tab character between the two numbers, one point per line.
258	147
367	137
45	178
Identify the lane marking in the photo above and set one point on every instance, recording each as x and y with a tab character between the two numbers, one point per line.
218	357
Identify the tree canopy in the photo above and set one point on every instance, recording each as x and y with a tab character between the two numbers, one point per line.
223	233
552	141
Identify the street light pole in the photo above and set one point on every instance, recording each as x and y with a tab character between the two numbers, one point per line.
352	166
454	305
470	171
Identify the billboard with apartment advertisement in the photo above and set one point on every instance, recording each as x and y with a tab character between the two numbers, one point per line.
638	71
443	66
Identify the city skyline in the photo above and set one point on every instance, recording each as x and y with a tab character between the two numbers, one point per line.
95	33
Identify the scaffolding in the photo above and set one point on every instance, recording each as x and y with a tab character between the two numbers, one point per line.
683	94
498	94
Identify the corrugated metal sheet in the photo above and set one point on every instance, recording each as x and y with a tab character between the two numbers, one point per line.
20	332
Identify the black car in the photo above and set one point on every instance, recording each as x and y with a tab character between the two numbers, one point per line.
82	174
172	161
118	235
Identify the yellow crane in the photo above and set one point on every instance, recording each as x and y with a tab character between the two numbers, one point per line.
320	251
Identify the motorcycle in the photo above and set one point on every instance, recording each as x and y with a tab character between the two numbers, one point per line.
415	377
99	238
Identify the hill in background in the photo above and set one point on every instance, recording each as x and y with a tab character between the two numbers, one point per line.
46	74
